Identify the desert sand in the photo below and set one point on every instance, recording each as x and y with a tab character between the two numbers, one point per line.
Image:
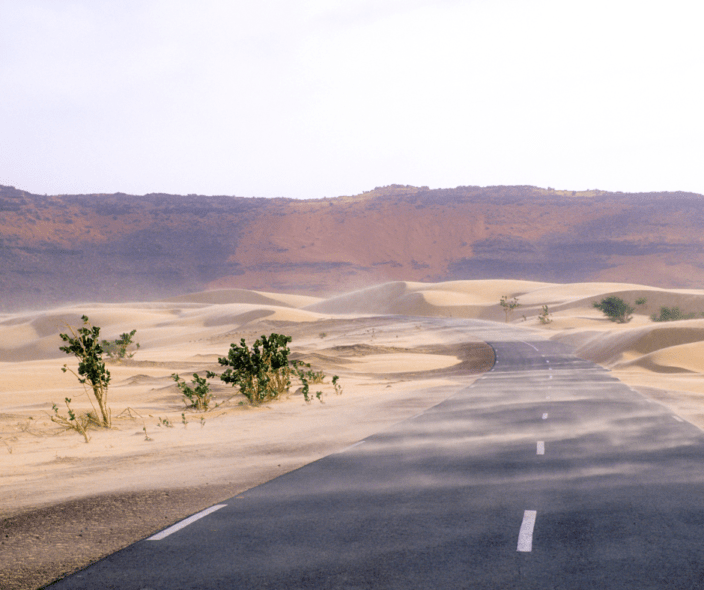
65	503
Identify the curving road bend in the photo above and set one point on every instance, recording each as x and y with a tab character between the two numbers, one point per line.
545	473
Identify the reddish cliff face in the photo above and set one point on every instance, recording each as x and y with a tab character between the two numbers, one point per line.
120	247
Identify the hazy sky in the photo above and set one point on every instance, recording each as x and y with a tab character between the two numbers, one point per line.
313	98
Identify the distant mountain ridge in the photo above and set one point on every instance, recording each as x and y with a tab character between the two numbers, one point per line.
66	248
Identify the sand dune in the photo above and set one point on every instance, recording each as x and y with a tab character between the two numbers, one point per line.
467	299
672	359
36	336
627	344
364	336
222	296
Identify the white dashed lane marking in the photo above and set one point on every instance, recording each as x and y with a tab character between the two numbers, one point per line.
545	416
541	447
184	523
678	418
525	535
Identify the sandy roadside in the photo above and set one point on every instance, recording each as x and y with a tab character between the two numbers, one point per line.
66	503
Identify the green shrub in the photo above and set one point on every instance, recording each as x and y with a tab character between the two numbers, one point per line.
509	305
117	349
264	372
84	345
616	309
545	316
672	314
336	385
198	395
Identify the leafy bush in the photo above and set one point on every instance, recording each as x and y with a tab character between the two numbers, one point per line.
198	395
264	371
672	314
616	309
83	343
117	349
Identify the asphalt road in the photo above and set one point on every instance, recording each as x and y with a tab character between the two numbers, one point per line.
546	473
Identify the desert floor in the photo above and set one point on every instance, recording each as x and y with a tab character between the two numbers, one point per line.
65	503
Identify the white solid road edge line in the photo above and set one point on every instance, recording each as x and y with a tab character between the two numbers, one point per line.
541	447
184	523
525	535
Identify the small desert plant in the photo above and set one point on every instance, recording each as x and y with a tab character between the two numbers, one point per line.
641	301
117	349
78	423
198	393
83	343
336	384
616	309
545	316
509	305
672	314
264	371
307	377
312	376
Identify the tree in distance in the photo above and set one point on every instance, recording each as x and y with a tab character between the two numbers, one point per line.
264	371
83	343
616	309
509	305
117	349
